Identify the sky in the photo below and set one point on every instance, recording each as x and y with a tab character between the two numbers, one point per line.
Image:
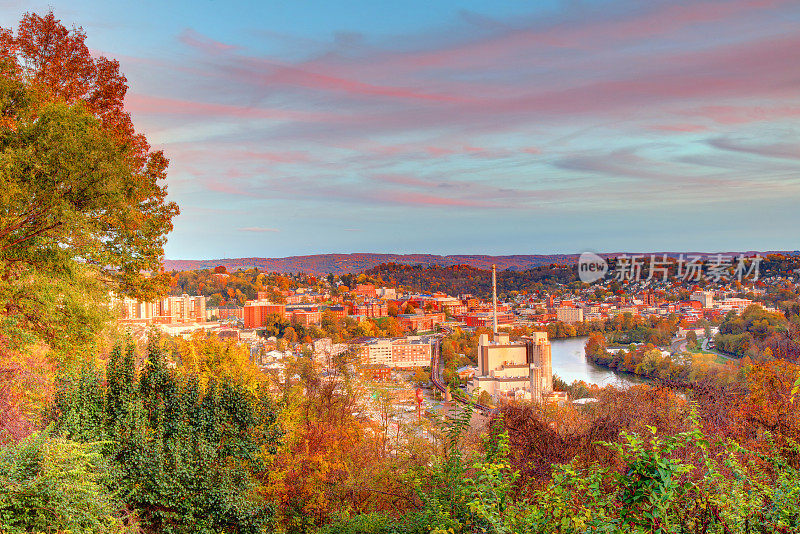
462	127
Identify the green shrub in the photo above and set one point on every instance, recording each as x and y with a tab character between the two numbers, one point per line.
48	484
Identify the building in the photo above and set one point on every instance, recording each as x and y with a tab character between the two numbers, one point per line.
257	312
569	315
184	309
372	308
514	370
225	312
132	310
387	293
365	290
485	319
417	322
400	353
338	312
736	304
306	317
411	352
376	352
705	298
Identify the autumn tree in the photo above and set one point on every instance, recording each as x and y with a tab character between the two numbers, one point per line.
290	335
80	191
691	338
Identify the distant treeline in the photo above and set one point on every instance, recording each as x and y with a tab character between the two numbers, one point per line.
461	279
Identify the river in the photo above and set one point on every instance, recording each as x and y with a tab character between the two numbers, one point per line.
570	364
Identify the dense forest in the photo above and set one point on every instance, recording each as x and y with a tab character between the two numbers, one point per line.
756	331
463	279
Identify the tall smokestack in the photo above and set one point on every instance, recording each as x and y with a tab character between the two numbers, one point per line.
494	297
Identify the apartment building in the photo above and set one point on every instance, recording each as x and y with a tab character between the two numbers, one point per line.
417	322
705	298
401	353
227	312
184	309
569	314
306	317
376	352
411	352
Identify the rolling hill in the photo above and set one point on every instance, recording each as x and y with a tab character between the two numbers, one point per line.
320	264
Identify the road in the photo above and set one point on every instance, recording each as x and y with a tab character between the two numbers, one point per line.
436	379
679	345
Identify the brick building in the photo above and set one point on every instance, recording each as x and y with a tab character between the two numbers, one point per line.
306	317
415	322
256	313
373	308
228	312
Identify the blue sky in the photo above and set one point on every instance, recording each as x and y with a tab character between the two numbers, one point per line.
463	127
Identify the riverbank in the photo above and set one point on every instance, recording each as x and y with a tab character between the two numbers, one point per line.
571	364
649	365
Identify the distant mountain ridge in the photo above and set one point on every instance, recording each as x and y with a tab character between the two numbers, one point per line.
321	264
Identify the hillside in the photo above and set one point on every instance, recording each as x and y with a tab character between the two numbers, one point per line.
358	262
355	263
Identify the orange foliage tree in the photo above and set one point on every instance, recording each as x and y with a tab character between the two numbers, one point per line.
113	214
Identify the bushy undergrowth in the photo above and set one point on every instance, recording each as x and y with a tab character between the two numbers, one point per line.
667	485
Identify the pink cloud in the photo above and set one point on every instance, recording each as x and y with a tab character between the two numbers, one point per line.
269	73
271	156
259	229
399	179
745	114
576	33
225	187
393	127
419	199
206	44
154	105
680	128
439	151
